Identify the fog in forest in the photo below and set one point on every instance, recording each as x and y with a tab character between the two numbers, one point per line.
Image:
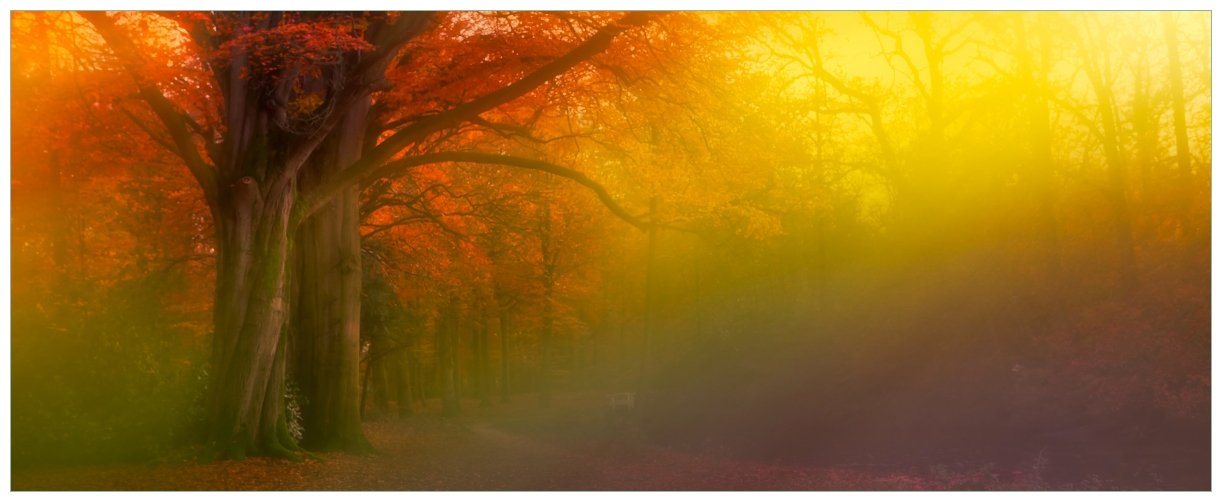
818	250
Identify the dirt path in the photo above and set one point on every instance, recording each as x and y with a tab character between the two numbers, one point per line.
506	448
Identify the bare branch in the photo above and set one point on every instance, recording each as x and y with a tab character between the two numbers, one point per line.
397	168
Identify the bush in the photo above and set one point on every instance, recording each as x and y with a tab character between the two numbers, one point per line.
111	375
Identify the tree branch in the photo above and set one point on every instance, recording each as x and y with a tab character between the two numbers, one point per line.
367	78
398	167
419	130
174	119
148	130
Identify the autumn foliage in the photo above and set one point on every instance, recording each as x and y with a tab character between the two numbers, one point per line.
971	243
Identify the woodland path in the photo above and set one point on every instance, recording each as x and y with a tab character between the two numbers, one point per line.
505	447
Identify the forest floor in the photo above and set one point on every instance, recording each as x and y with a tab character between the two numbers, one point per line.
515	446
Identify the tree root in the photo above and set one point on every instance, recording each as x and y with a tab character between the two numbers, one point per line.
277	444
274	449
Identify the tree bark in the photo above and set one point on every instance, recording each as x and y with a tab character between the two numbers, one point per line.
650	294
446	333
327	320
504	328
547	253
1034	75
417	376
1175	80
382	386
1117	187
246	404
484	383
403	381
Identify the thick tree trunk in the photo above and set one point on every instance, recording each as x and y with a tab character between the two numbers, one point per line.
326	326
246	406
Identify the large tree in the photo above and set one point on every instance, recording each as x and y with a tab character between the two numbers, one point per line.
279	148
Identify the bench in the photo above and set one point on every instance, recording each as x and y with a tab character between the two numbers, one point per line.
621	402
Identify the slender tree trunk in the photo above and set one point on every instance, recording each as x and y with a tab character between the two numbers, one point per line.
481	362
545	350
403	383
417	370
504	327
547	253
446	333
456	359
60	229
385	384
595	370
474	378
1035	80
364	405
650	295
1175	80
1117	189
1145	132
